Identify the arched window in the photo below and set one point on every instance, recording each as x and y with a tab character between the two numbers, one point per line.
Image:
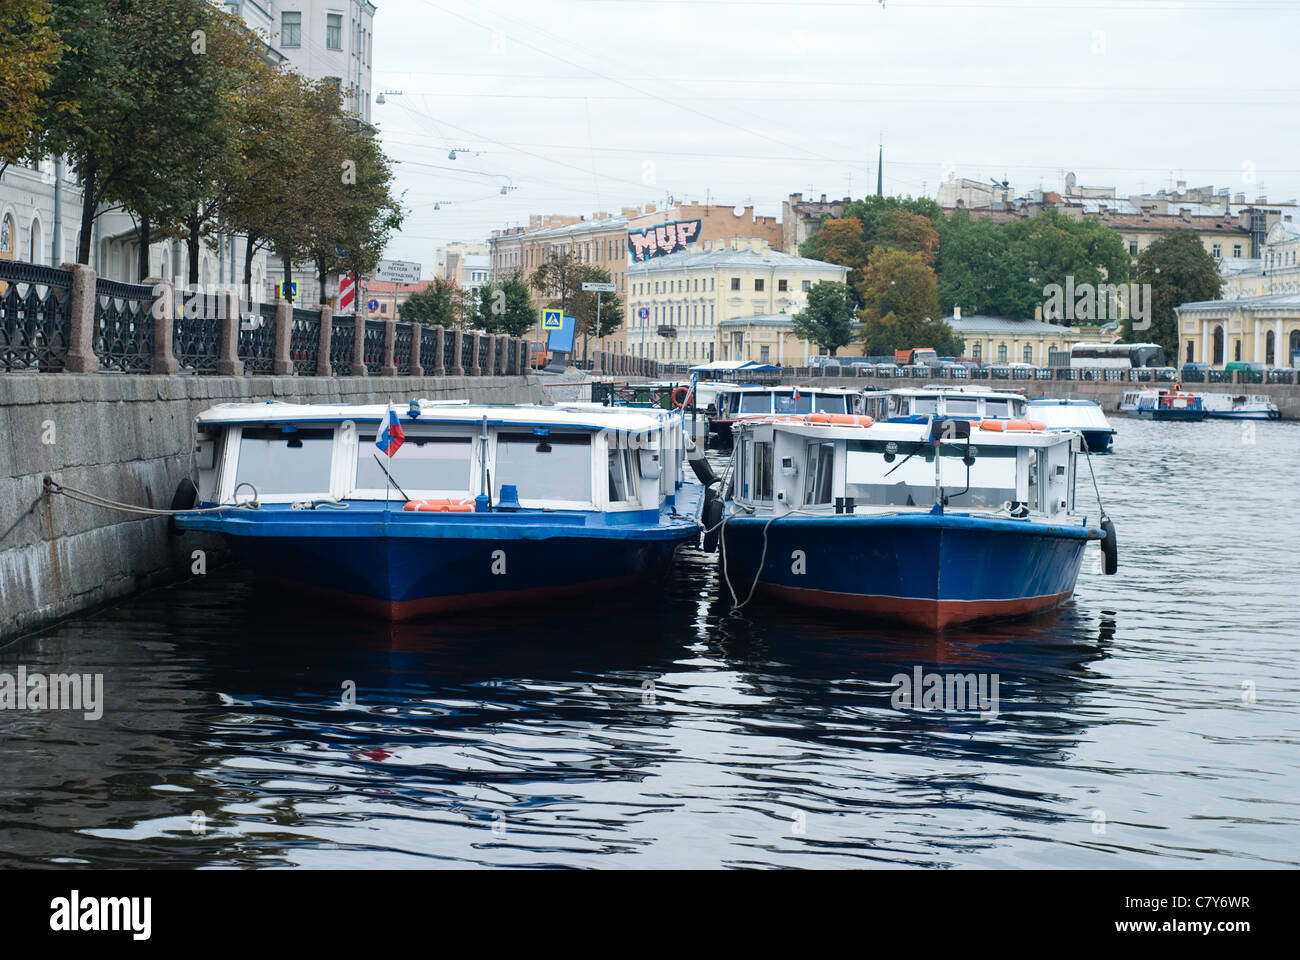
7	237
1218	345
34	252
1268	348
1295	345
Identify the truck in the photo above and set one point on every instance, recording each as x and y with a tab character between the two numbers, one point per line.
913	355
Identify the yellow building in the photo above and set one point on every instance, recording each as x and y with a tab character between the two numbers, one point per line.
1252	329
723	301
1003	340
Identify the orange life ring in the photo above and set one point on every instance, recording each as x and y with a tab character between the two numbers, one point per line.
685	393
440	506
998	426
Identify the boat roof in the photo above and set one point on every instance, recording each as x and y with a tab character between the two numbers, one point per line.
910	432
730	366
780	388
584	415
959	391
1043	402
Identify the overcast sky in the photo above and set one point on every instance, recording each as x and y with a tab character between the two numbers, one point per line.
586	105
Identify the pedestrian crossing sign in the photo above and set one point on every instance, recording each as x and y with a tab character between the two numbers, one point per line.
552	319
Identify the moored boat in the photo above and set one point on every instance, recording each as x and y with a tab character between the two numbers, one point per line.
922	403
1236	406
1172	404
933	524
736	404
1085	417
477	506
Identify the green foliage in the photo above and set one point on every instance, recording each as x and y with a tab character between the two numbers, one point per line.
29	54
436	305
1050	247
1180	270
827	319
901	298
974	265
506	306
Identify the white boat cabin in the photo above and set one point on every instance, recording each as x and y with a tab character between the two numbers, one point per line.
735	403
791	465
579	457
974	402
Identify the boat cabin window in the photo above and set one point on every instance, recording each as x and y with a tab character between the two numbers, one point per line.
426	464
786	403
285	460
762	471
818	478
963	407
755	403
830	403
623	469
554	466
901	474
998	409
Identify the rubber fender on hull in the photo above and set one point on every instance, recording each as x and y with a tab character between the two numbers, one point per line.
185	497
1109	549
711	518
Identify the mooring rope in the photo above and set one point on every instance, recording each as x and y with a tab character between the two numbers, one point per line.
95	500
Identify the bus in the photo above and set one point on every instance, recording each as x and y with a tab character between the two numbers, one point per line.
1124	356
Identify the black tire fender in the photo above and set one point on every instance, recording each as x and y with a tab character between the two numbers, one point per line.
711	518
185	497
1109	548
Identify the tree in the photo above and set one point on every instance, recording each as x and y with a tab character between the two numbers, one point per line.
840	242
901	299
558	279
584	306
506	306
1179	270
31	51
973	266
827	319
435	305
901	230
1050	248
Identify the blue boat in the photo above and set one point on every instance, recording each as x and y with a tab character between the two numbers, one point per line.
479	505
1172	404
932	524
1085	417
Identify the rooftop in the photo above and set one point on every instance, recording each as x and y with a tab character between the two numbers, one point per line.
729	256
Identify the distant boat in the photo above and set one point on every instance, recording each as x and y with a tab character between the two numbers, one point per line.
735	404
1174	404
479	506
932	524
1085	417
1229	406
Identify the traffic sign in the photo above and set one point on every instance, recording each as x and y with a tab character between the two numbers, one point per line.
372	305
600	287
552	319
398	271
289	290
644	313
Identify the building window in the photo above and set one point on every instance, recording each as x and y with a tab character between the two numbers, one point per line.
383	308
807	285
1029	354
758	285
1218	251
1218	345
333	31
1236	251
1132	248
764	353
1268	348
1002	353
735	283
291	28
782	286
1236	351
976	350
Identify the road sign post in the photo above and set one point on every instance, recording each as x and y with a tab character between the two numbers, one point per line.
598	289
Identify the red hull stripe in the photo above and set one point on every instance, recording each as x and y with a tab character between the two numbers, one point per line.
933	614
398	610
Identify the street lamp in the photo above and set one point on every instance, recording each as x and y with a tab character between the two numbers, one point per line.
387	93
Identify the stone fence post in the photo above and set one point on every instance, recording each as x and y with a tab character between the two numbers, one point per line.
282	364
81	320
325	344
359	346
228	362
417	341
439	359
458	348
163	311
389	368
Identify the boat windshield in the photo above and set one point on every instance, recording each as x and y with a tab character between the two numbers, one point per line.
755	403
832	403
286	460
962	407
788	403
440	464
544	468
876	476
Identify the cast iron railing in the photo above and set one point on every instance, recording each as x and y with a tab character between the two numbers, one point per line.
35	324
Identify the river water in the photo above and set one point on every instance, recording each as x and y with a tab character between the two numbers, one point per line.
1151	722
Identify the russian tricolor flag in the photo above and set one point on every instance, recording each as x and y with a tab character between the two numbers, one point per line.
391	436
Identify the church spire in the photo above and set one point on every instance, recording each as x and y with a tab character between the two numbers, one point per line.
880	170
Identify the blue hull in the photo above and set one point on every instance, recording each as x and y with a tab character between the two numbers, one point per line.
1098	441
403	565
926	570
